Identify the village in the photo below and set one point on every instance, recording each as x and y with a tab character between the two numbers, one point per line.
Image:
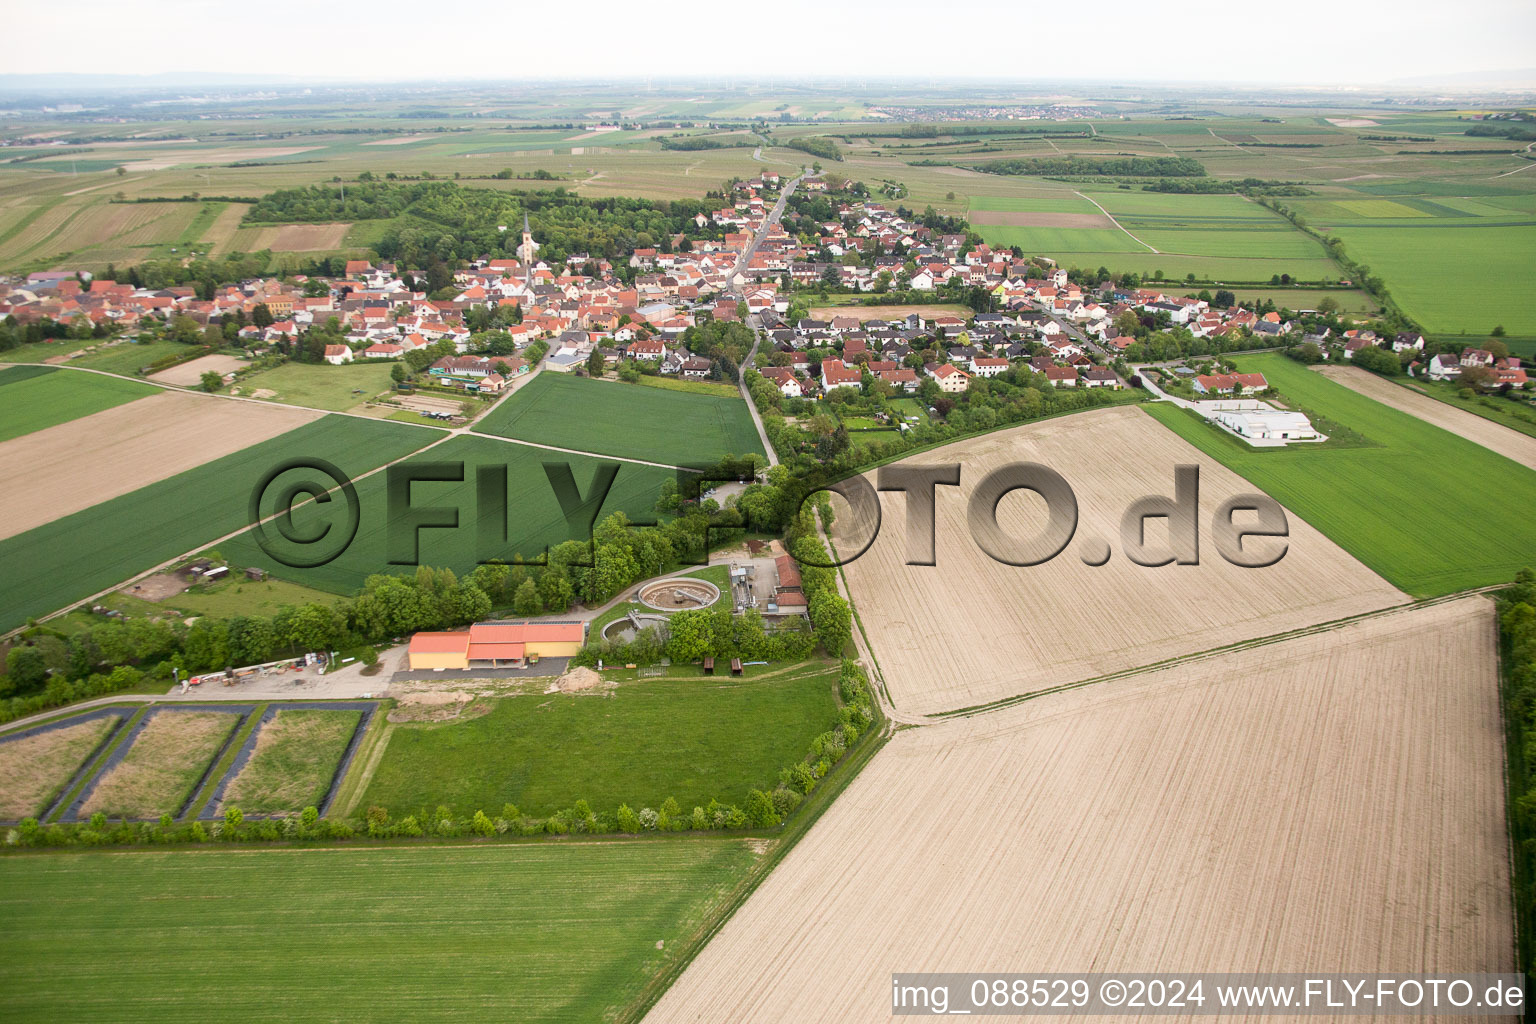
502	317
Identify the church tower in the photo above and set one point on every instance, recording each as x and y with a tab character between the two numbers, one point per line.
528	251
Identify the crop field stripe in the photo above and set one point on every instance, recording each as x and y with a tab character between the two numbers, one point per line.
1397	737
32	398
80	554
1144	614
537	932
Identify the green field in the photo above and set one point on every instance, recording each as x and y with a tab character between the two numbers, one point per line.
1431	512
1215	237
321	385
71	558
121	357
37	397
694	739
534	518
1456	263
541	932
610	418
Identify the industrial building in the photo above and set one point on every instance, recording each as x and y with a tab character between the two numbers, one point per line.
496	645
1261	424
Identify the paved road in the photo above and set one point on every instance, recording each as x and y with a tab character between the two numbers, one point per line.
754	322
1071	331
745	260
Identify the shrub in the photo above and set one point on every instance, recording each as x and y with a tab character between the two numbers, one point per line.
785	800
482	825
760	810
628	820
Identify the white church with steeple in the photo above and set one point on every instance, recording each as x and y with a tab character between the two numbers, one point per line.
528	251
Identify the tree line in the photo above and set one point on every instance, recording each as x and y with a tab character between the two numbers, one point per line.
1128	166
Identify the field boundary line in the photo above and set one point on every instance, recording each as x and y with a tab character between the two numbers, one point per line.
1122	227
1213	652
94	765
573	451
810	812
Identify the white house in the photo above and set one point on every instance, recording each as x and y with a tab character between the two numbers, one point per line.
337	354
1443	367
982	366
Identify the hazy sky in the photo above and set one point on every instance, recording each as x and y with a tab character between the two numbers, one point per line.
1291	41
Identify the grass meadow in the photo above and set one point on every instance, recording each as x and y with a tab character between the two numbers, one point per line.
613	418
534	517
123	357
540	933
322	386
1431	512
71	558
694	739
37	397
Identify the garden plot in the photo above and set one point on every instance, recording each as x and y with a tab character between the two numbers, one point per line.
159	766
38	764
1329	800
293	761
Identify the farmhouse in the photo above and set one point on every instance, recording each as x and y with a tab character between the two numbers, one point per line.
337	354
495	645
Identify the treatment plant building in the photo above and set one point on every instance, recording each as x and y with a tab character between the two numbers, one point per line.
496	645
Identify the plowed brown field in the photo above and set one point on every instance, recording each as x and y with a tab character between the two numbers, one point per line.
51	473
1331	802
971	630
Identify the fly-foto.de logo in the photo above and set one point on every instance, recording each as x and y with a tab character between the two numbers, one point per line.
1248	530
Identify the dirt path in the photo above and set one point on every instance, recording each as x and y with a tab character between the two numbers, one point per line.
1117	224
